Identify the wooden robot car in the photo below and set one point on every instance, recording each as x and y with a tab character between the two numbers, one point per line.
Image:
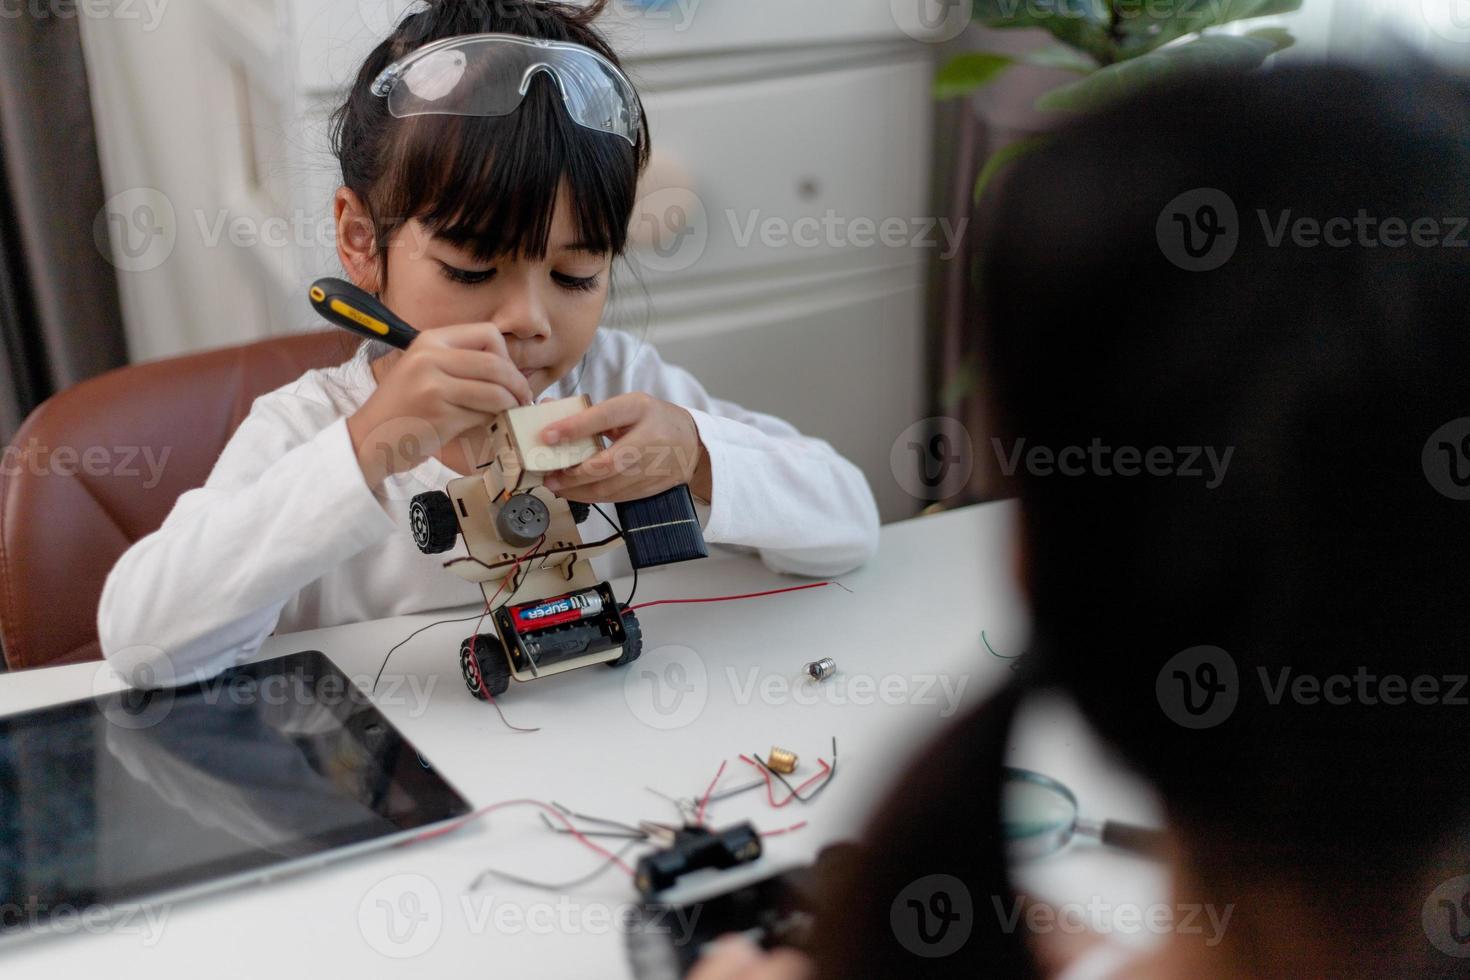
555	615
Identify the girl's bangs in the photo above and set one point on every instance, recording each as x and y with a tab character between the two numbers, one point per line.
489	184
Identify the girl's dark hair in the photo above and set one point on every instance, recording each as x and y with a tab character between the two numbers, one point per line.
1325	551
489	184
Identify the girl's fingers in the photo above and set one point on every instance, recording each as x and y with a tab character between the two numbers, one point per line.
598	468
484	336
481	397
483	366
631	458
647	450
622	461
617	412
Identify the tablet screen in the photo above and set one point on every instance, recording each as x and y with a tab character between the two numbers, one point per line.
111	801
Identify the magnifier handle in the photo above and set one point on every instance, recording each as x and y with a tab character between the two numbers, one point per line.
351	308
1130	837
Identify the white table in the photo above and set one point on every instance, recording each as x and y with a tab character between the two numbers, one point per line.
715	680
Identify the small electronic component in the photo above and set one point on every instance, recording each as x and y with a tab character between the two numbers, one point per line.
695	849
820	670
662	529
782	761
523	520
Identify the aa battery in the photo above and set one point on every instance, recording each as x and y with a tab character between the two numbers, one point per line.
570	608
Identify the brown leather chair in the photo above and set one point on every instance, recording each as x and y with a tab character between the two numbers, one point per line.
75	483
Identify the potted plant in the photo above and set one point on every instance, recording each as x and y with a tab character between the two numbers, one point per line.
1114	47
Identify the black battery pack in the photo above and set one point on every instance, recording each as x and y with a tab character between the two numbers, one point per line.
554	630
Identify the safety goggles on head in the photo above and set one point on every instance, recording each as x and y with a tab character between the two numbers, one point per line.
489	74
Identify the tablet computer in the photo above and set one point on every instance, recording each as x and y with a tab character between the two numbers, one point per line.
142	798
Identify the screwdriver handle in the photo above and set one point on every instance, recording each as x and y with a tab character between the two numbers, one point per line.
351	308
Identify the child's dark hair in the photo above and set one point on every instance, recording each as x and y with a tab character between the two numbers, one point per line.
488	184
1324	551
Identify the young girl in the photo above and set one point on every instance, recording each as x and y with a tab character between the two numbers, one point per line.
488	218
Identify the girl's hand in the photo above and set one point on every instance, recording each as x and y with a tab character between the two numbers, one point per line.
448	381
655	446
737	958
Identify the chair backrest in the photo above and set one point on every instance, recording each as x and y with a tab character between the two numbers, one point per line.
99	465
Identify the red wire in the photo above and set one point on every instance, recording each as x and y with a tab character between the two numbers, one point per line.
783	830
770	786
513	569
699	817
770	793
470	817
727	598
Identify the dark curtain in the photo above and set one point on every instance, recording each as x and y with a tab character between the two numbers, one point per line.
60	319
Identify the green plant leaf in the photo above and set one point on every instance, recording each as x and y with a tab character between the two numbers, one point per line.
1003	156
1279	36
1146	25
1214	52
1062	57
1080	24
965	73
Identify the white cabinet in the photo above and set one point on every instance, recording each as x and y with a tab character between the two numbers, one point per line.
840	357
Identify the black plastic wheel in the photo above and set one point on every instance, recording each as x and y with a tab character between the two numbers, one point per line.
490	659
431	516
632	641
580	510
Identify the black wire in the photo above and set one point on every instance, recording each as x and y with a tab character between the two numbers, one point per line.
475	659
831	773
1015	659
548	552
634	590
410	636
478	615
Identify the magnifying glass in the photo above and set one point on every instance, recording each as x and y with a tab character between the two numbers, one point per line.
1040	816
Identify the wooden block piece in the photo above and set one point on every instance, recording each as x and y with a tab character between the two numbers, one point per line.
525	434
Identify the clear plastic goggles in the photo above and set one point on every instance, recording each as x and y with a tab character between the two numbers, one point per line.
489	74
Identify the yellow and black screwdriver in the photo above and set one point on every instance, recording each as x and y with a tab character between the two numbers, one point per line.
344	304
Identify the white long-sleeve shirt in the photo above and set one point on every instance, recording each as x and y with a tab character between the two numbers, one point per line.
286	534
